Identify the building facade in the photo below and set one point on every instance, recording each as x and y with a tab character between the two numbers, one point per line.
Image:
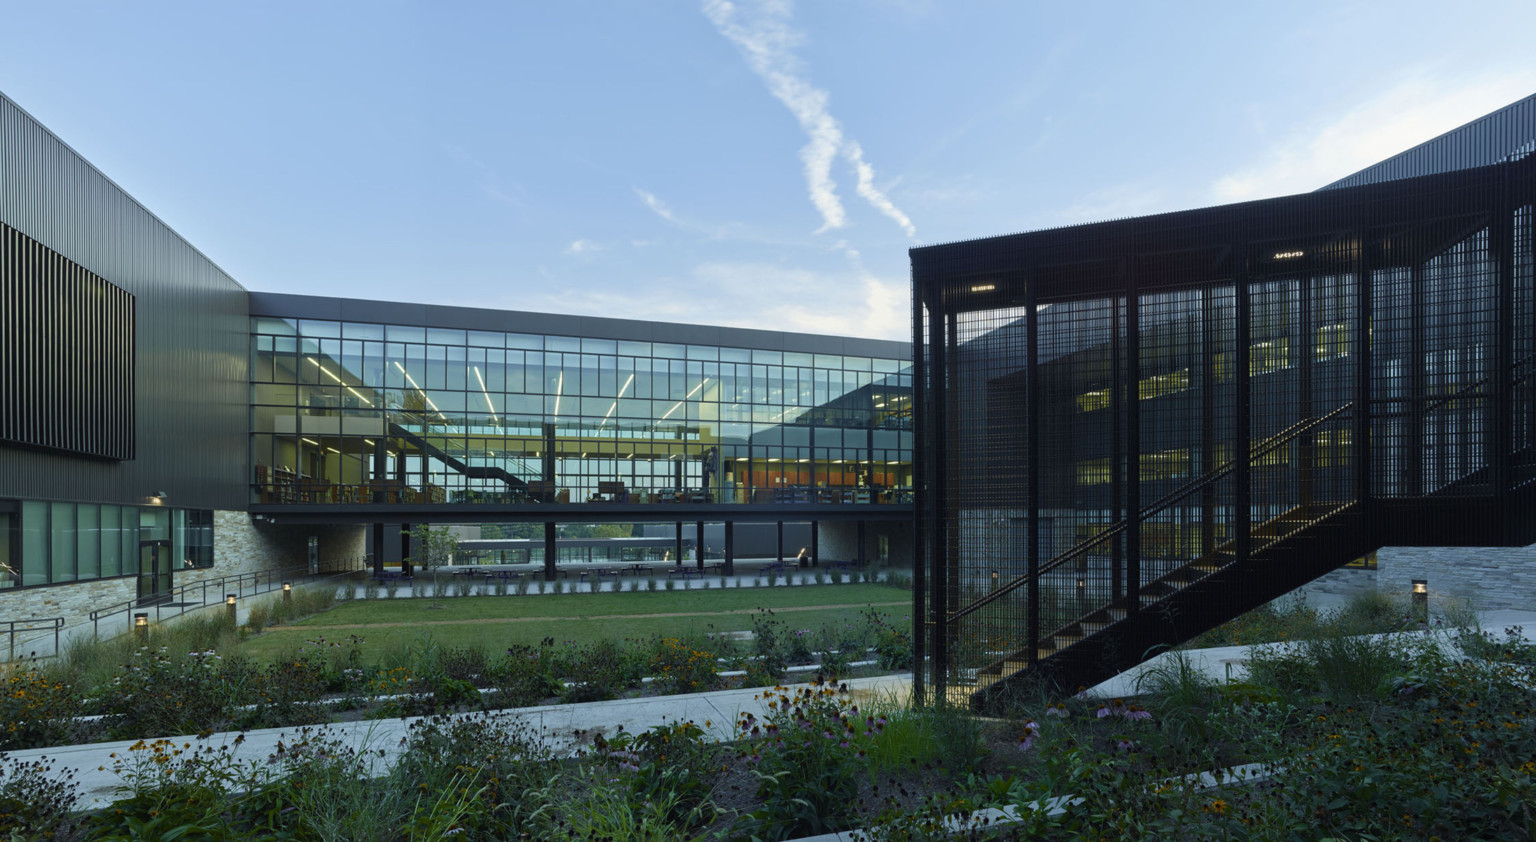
161	425
1135	430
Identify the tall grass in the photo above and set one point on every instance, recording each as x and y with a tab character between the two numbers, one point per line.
92	662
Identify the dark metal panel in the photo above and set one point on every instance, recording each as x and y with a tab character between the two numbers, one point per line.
1272	353
59	339
189	330
1500	136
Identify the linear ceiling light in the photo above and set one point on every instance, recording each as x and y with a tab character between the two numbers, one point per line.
559	391
487	395
424	395
622	390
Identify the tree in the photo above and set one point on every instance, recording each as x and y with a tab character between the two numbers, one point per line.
431	548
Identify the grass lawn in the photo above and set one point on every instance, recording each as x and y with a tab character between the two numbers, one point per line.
496	622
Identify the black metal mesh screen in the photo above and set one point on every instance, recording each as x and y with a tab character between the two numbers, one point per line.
1117	416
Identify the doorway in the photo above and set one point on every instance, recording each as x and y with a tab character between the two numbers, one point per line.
154	572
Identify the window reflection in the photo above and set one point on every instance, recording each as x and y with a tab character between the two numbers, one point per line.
473	416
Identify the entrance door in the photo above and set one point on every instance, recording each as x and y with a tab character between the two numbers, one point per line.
154	572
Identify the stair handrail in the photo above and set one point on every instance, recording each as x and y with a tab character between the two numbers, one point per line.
1215	474
1264	448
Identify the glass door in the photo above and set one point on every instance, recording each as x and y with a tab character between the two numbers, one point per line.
154	571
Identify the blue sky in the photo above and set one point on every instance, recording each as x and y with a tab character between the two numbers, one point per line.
760	164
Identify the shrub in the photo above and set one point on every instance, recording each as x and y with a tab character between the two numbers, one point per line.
35	711
526	674
499	760
807	758
672	765
683	667
600	671
893	645
34	804
157	695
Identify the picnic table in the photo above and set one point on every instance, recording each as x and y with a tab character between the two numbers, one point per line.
637	569
599	574
685	572
389	576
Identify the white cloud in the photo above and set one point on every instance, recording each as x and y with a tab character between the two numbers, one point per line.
583	247
657	206
768	42
1423	106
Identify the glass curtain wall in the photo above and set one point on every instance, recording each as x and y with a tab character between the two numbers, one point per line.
348	412
52	543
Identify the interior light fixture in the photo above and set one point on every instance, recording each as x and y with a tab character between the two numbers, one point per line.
559	391
487	395
359	396
672	410
1289	255
312	441
983	287
697	388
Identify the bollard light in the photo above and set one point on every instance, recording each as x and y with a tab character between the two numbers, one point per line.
141	626
229	605
287	592
1421	599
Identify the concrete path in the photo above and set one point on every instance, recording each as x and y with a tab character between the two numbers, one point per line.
564	729
1225	663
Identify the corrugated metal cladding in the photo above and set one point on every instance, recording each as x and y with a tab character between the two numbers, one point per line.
1503	135
190	334
66	353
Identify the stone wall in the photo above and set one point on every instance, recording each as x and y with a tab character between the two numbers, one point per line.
240	545
1337	586
1490	578
74	602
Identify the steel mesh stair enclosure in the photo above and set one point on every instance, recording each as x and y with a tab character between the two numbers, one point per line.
1131	432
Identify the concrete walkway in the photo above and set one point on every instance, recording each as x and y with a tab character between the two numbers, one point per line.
1225	663
564	729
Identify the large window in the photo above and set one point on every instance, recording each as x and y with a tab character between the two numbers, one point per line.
56	543
351	412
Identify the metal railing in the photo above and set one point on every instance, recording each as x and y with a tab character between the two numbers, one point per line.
182	599
1218	473
46	625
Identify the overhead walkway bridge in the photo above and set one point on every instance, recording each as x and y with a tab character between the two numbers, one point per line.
1132	432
